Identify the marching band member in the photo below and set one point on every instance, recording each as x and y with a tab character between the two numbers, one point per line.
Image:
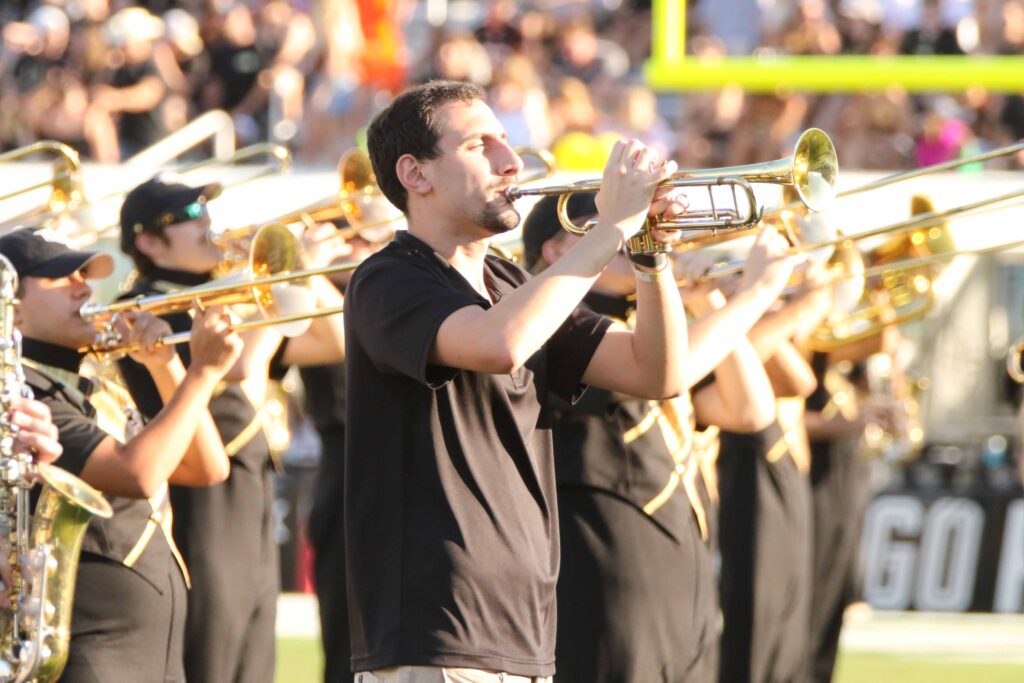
629	487
764	514
452	357
226	532
129	608
836	419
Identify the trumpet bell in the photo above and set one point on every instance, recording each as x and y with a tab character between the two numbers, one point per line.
815	169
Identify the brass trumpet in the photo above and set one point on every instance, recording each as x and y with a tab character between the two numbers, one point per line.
812	170
784	217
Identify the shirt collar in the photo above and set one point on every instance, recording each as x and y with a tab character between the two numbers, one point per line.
495	284
52	355
178	277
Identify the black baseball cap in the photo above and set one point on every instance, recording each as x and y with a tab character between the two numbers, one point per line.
542	223
44	252
157	203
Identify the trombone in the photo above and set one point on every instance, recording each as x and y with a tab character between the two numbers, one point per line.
982	157
272	263
812	170
109	343
279	161
927	225
65	184
784	216
358	195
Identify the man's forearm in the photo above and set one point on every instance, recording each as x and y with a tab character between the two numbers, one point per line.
531	314
775	328
158	449
716	335
660	342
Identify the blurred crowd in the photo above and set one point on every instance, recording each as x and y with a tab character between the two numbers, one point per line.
113	76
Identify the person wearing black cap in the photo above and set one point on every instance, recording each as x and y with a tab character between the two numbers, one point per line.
129	608
629	483
227	532
451	519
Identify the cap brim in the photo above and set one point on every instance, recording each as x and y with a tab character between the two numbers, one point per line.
96	264
192	194
211	191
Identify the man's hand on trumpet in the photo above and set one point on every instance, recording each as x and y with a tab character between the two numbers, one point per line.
629	188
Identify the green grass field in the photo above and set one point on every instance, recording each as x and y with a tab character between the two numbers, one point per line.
299	661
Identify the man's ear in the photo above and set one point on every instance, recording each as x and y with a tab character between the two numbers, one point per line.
149	244
411	174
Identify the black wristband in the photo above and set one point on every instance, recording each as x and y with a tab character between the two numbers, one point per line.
649	262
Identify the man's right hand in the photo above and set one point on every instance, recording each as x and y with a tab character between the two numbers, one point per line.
213	344
630	179
769	265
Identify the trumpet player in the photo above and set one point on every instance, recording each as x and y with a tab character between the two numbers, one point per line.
129	608
226	532
629	482
452	358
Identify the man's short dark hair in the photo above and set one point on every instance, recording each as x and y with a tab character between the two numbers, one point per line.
409	126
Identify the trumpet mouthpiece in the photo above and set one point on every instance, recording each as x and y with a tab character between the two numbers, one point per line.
513	193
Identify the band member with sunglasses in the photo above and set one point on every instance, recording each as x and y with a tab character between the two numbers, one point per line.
226	533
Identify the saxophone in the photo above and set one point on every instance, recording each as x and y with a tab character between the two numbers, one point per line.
36	629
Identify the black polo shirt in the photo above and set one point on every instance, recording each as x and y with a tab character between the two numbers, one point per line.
120	537
451	520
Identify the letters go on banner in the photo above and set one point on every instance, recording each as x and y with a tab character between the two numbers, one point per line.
945	553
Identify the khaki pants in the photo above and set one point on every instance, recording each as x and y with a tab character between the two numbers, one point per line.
435	674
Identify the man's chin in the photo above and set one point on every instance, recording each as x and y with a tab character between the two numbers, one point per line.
500	222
